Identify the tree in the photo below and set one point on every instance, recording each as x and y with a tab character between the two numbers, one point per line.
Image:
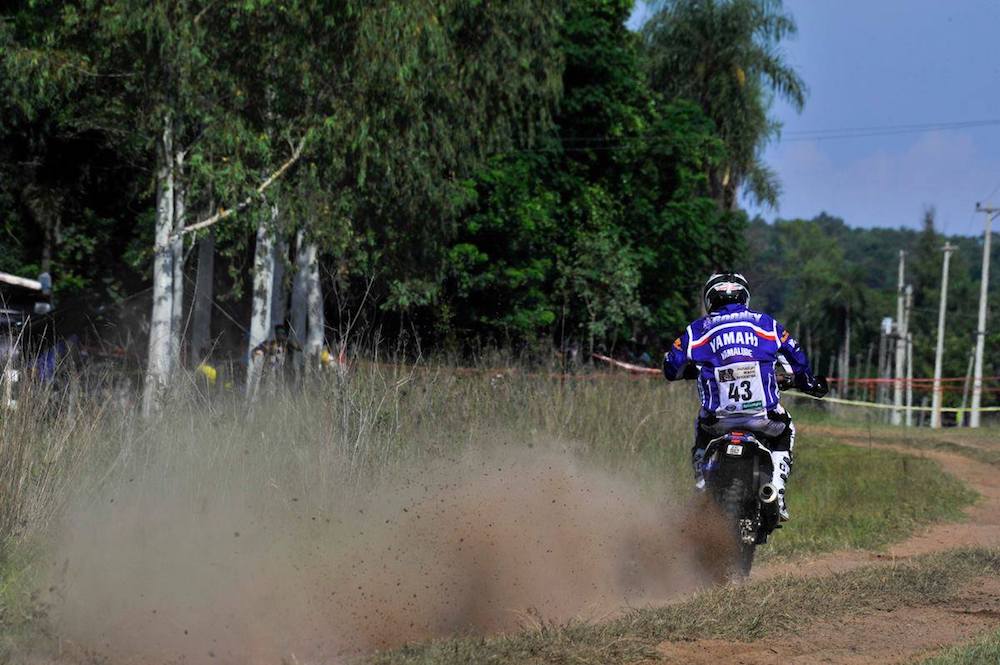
604	230
599	273
63	188
484	81
724	55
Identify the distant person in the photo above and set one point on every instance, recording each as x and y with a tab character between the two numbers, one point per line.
732	353
60	356
275	353
277	347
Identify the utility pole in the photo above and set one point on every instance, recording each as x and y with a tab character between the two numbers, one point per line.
845	360
884	352
897	384
909	379
965	386
868	369
977	379
908	340
939	352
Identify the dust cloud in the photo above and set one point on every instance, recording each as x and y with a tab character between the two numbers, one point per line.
201	568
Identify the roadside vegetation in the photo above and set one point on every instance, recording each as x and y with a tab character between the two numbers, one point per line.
864	425
844	497
986	649
378	418
327	444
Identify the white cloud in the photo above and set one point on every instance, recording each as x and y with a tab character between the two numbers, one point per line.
886	187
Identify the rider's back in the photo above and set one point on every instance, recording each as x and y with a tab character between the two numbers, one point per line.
735	350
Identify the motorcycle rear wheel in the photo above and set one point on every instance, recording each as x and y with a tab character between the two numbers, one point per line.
733	501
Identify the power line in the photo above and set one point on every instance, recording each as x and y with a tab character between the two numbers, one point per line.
862	131
990	195
612	144
918	127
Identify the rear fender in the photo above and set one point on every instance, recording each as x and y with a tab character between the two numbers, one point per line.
738	454
735	446
742	455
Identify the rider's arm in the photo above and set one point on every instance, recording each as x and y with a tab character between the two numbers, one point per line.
793	353
805	380
676	364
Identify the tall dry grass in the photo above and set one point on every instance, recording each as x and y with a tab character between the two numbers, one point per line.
44	441
217	505
344	432
340	432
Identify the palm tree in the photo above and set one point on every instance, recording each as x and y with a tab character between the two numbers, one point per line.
725	55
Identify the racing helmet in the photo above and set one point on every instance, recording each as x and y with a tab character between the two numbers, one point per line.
726	288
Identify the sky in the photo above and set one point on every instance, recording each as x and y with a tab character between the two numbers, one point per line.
890	64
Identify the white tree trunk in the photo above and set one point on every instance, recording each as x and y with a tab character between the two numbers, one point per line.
201	326
845	363
317	324
177	258
279	306
263	282
158	362
299	289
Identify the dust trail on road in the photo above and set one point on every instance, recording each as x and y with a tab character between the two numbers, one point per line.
232	569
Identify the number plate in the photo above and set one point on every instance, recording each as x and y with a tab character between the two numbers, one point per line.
733	449
741	388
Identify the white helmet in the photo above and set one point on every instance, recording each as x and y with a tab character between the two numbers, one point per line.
726	288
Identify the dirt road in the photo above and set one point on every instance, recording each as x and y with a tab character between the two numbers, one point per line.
898	634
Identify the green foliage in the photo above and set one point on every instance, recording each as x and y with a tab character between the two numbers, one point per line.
477	173
724	55
809	273
599	234
599	277
500	267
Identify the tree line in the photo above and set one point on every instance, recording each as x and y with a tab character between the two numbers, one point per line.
455	174
821	277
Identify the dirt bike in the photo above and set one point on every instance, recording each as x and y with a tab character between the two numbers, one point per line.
737	469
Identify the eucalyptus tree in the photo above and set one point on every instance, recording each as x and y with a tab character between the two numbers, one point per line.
389	104
598	232
483	79
131	65
379	111
159	83
725	55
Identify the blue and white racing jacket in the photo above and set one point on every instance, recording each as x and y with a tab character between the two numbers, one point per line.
734	350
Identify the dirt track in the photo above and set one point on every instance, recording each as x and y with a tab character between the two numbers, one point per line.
895	635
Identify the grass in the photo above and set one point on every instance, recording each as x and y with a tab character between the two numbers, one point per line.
844	497
743	613
345	433
380	421
982	444
986	649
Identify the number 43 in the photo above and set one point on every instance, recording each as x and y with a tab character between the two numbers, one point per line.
734	391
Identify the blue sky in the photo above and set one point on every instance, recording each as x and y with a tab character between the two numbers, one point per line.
888	63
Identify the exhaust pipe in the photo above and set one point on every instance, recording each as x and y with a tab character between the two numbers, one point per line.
768	493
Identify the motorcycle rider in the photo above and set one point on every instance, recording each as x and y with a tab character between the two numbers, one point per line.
732	353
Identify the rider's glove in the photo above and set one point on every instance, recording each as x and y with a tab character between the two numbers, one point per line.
812	385
691	372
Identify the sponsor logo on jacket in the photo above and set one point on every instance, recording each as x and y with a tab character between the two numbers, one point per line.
747	315
734	337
